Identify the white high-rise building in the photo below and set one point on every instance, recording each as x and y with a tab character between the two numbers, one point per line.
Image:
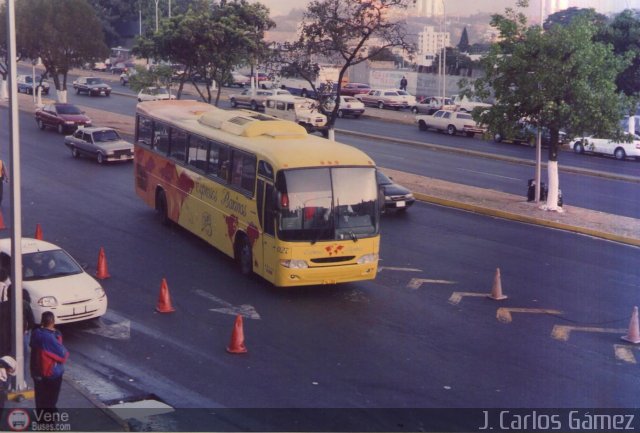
429	8
553	6
430	43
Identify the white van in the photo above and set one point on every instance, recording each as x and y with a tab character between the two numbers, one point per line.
303	111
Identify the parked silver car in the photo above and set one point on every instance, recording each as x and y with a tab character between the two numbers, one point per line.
103	144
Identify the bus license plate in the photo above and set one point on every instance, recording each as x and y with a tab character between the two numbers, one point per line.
400	204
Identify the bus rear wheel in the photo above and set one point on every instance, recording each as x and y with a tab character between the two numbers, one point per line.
162	208
244	256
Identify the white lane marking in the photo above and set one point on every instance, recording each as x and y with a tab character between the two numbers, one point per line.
244	310
391	268
489	174
415	283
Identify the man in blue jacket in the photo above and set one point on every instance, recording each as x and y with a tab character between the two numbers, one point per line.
47	358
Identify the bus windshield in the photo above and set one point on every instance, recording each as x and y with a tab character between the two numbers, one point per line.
319	204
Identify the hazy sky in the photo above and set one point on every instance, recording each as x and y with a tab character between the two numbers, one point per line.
462	7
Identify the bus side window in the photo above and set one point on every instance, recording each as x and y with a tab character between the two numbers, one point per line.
144	130
178	146
198	153
160	137
269	211
214	158
224	163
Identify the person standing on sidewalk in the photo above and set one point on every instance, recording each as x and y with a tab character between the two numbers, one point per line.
403	83
47	358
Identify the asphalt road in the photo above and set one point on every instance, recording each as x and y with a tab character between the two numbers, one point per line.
396	342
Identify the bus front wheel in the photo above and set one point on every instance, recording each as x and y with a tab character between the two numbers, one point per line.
244	256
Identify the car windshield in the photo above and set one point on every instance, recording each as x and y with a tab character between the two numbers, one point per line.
350	99
106	135
321	204
94	81
159	91
403	93
382	179
48	264
68	109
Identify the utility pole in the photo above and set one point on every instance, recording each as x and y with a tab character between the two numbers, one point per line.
16	233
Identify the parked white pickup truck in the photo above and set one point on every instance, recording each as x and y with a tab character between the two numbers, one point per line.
465	104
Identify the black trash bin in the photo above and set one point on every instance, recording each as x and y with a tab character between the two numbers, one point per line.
531	192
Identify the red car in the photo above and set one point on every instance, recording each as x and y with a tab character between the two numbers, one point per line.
63	117
353	89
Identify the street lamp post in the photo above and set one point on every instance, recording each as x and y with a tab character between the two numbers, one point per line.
157	15
538	174
444	53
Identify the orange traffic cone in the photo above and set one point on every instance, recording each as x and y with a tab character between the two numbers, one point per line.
633	335
237	338
496	291
38	234
2	226
102	272
164	300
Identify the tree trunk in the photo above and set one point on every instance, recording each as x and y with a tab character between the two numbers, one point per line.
553	180
4	94
61	96
332	134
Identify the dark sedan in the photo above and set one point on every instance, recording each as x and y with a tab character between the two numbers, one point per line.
353	89
62	117
395	196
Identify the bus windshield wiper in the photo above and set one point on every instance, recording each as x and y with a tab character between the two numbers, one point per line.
353	236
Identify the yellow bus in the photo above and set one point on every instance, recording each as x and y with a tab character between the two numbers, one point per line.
291	207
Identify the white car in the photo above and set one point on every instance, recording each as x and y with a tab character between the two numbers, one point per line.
155	94
349	106
604	146
451	122
55	282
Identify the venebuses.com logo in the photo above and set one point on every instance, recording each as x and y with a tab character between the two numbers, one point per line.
18	420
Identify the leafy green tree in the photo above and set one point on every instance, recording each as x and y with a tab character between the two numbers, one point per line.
338	32
566	17
210	41
557	79
623	33
463	45
113	12
157	76
63	33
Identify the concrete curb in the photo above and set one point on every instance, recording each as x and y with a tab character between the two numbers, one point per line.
97	403
483	210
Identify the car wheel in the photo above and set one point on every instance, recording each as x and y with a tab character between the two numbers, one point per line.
60	128
497	137
422	126
414	110
107	93
620	154
41	124
30	91
162	208
303	93
470	134
340	114
77	91
355	116
74	152
381	105
451	130
578	147
244	256
100	158
254	105
122	82
234	104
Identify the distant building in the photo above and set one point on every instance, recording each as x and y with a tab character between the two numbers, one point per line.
429	8
553	6
430	43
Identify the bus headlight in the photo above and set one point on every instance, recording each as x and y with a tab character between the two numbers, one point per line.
48	301
100	292
294	264
368	258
